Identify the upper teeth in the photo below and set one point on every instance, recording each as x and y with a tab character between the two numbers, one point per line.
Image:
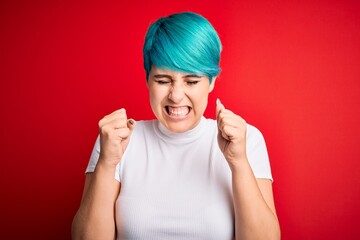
178	110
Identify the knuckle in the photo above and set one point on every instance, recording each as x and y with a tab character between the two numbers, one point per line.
105	130
223	124
101	123
121	111
124	132
120	122
120	115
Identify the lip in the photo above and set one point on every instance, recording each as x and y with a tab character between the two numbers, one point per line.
176	117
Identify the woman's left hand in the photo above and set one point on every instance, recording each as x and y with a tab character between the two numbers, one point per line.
231	135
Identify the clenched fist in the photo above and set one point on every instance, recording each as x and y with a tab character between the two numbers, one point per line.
115	131
231	134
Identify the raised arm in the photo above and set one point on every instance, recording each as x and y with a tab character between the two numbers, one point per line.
95	218
255	216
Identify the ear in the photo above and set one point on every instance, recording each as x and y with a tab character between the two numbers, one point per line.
212	85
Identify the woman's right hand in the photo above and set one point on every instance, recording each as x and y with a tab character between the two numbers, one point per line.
115	131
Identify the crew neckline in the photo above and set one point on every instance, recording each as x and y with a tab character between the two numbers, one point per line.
184	137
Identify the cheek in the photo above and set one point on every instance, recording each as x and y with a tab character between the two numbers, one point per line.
156	97
200	98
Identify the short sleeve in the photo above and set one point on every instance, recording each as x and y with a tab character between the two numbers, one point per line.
257	154
95	157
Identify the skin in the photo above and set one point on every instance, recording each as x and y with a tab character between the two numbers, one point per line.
255	214
175	89
178	100
95	218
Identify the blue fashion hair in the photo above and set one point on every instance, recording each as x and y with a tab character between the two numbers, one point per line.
183	42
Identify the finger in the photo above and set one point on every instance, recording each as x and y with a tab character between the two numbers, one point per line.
226	112
232	120
113	125
118	123
230	133
223	113
120	111
224	134
131	124
123	133
219	107
118	114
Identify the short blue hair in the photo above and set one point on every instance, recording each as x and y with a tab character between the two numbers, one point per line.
183	42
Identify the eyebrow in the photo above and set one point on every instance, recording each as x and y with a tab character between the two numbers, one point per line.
192	76
162	76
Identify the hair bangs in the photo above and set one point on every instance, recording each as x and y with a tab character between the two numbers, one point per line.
184	42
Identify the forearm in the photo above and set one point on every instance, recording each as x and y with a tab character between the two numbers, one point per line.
254	218
95	217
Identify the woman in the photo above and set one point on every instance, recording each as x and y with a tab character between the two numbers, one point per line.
181	176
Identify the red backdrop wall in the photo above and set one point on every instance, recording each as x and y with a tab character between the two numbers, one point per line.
291	68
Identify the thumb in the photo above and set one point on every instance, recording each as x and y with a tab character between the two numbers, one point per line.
131	124
219	107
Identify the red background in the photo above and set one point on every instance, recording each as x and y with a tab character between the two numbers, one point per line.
291	68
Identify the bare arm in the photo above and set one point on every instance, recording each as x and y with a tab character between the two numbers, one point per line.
255	216
95	218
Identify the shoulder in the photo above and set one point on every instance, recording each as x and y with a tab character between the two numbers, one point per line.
144	124
144	128
253	133
255	142
256	152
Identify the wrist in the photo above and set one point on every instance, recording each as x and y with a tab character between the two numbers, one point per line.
236	165
106	163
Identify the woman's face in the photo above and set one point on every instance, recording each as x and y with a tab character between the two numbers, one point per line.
178	99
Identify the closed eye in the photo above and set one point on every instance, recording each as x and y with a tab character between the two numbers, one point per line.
161	82
192	82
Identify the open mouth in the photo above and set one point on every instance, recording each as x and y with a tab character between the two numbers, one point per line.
177	112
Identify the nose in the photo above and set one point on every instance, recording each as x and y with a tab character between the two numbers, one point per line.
176	94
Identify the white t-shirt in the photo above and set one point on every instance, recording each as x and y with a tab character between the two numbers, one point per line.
178	185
